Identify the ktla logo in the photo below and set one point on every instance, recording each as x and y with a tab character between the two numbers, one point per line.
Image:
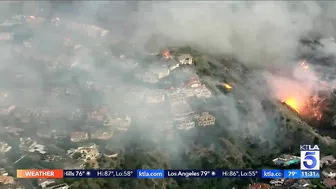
310	157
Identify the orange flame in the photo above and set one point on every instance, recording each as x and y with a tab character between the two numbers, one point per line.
307	111
292	103
227	86
166	55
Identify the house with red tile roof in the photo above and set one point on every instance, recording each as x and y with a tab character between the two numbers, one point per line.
259	186
329	183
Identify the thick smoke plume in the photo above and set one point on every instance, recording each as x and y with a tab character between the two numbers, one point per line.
258	34
255	32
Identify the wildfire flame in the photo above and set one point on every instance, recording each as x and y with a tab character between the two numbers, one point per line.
309	110
309	104
227	86
317	114
304	65
166	55
292	103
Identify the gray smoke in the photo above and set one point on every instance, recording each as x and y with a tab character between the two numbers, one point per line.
258	34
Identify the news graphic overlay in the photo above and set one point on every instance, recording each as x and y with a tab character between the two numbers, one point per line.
301	174
99	173
77	173
310	157
150	174
272	174
39	174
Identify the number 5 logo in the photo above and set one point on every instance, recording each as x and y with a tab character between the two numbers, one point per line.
310	157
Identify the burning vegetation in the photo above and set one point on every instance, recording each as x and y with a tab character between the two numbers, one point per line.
304	65
318	110
227	86
166	55
224	87
292	103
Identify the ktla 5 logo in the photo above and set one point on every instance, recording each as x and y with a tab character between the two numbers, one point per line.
310	160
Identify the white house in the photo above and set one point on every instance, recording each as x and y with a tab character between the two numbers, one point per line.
87	152
185	59
4	147
329	173
60	186
327	160
45	182
277	182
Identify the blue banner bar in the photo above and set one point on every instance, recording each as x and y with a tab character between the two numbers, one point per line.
150	174
77	173
176	174
301	174
100	174
212	174
241	173
191	173
272	174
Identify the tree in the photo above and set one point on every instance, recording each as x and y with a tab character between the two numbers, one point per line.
76	155
333	153
88	165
